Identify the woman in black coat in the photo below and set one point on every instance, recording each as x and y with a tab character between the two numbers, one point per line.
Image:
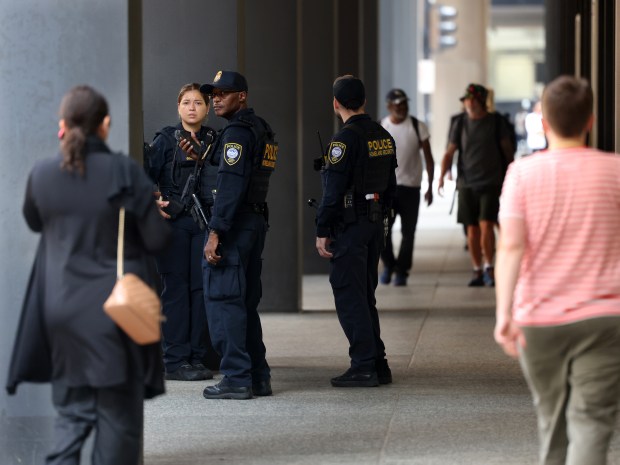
99	376
186	342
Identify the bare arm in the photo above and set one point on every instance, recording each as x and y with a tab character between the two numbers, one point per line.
508	150
509	253
430	170
446	165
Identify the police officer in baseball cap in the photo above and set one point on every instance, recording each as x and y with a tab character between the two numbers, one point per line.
226	80
245	155
359	184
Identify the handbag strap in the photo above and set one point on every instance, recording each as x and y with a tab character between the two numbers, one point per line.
120	247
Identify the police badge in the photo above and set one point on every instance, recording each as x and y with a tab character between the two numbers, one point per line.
336	152
232	153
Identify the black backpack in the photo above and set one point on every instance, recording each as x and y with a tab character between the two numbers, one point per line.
500	120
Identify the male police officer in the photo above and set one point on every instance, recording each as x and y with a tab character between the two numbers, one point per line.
359	184
245	153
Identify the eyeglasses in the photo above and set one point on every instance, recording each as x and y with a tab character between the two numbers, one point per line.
222	94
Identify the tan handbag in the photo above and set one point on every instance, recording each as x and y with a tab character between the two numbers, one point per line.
133	305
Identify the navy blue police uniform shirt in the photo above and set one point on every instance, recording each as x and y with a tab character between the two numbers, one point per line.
234	153
342	153
165	147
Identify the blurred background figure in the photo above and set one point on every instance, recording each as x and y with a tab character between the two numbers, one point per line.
413	153
483	141
520	132
558	292
99	376
533	126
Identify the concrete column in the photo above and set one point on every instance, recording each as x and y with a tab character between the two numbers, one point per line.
47	46
269	49
184	42
457	67
347	44
248	37
560	38
317	72
400	36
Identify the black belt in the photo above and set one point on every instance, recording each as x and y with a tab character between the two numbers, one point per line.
260	208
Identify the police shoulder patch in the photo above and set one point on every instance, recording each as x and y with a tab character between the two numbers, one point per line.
232	153
336	152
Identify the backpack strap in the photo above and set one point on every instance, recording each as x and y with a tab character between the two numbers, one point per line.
459	121
500	122
415	123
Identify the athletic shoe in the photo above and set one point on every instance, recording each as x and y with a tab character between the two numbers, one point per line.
488	277
476	279
385	277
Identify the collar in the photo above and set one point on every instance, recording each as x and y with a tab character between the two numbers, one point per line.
360	117
95	144
241	113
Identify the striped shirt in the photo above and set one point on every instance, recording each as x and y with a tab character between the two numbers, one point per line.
569	200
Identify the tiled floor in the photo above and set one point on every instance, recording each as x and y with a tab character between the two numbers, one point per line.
456	399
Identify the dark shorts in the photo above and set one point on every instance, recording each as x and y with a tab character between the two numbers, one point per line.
478	205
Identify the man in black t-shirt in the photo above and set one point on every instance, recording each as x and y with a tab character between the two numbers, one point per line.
482	139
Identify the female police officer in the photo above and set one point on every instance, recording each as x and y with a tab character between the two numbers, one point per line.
178	177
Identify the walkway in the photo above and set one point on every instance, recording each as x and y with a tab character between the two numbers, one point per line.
456	399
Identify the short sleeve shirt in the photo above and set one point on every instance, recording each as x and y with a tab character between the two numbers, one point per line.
569	201
480	159
408	154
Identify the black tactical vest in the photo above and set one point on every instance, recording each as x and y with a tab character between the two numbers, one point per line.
179	168
374	164
208	176
176	170
264	157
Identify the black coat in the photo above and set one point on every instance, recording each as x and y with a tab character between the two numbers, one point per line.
63	333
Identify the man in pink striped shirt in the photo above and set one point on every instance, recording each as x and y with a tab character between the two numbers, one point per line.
558	279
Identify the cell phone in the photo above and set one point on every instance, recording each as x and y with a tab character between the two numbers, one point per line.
174	207
180	134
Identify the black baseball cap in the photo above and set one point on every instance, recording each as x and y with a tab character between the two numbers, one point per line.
226	80
350	92
396	96
477	92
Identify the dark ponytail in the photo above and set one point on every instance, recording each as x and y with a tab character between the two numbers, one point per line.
83	109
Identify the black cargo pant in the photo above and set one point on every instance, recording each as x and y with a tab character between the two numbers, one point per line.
182	296
232	293
353	276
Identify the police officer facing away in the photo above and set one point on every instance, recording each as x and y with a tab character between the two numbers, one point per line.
245	154
359	185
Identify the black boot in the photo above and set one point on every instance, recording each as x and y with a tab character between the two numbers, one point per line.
262	388
384	374
356	378
187	372
223	390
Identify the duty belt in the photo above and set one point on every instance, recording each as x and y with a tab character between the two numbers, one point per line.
260	208
362	203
